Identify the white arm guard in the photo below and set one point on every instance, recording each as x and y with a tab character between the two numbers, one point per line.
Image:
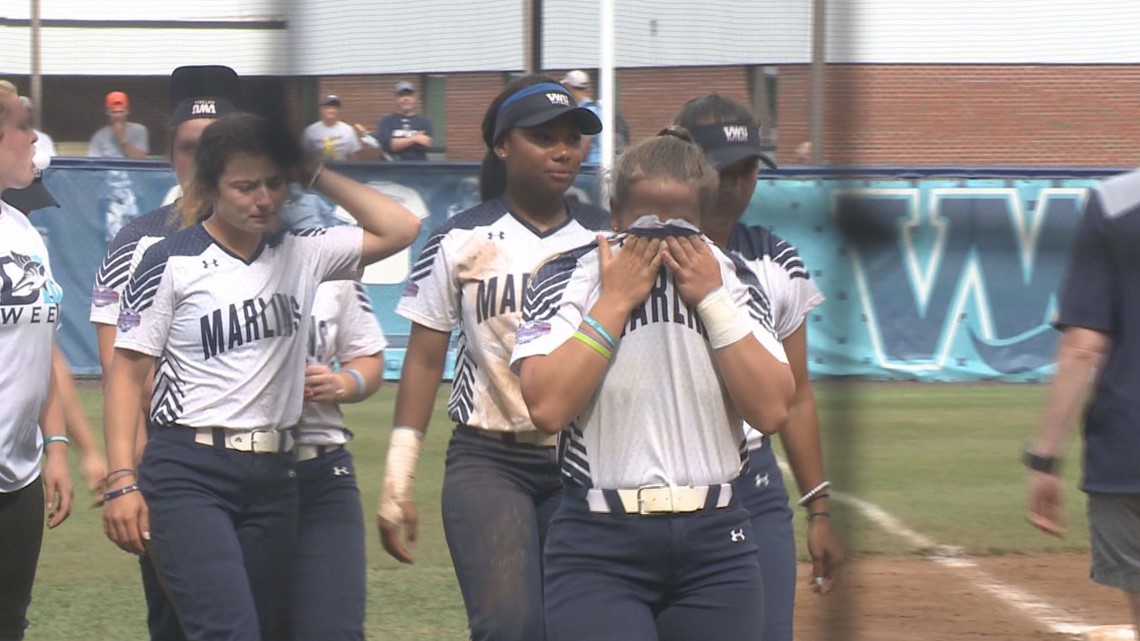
399	472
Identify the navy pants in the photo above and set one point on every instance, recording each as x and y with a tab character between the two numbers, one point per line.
497	501
161	617
223	533
327	600
21	534
668	577
762	491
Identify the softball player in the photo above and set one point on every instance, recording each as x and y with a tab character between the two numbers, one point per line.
645	353
198	96
221	306
729	135
501	481
346	356
34	462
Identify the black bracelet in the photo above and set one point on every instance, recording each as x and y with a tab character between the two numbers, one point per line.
1039	463
118	474
114	494
812	515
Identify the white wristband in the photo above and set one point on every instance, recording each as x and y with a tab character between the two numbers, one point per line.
725	322
400	472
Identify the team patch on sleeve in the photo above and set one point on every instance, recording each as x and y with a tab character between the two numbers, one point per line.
103	297
531	330
128	320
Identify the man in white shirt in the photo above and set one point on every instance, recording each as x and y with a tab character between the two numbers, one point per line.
329	138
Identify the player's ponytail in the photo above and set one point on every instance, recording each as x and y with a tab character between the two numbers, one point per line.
671	155
493	171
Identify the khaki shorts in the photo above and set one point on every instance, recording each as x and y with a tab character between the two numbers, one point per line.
1114	536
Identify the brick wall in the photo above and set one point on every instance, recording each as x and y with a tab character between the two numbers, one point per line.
1048	115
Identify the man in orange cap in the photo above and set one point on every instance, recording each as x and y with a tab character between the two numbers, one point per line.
119	138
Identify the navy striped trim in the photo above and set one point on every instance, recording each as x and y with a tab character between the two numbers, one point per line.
575	460
139	294
755	242
759	305
362	296
423	265
544	294
786	256
461	405
309	231
115	269
166	399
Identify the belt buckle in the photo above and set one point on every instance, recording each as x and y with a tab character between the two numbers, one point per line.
642	508
257	441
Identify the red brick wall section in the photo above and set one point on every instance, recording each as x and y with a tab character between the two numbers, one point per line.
468	95
1039	115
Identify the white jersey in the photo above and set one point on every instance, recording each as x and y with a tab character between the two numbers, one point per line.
228	333
660	415
781	272
472	275
123	256
29	315
342	327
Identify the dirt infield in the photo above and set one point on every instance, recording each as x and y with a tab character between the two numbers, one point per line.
917	599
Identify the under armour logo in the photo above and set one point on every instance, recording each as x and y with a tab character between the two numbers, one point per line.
491	235
762	481
341	471
206	263
737	535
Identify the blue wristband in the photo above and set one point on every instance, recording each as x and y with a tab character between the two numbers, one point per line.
114	494
597	327
48	440
359	378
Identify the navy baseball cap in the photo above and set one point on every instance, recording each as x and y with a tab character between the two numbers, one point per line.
537	104
28	199
203	91
727	143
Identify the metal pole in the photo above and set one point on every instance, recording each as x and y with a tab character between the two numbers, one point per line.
607	83
37	86
536	36
818	66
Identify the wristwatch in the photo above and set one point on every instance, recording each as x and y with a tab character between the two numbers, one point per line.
1039	463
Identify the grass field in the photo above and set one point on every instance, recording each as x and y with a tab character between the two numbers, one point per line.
941	458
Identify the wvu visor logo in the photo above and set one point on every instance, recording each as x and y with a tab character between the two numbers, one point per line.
560	99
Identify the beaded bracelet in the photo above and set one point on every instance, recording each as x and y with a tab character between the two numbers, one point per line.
597	327
114	494
56	438
811	494
595	345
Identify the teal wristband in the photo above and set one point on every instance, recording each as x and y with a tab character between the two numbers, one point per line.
48	440
597	327
359	378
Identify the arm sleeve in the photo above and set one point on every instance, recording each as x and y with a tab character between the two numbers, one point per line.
332	252
148	305
113	275
1089	291
142	139
353	142
553	308
431	295
360	333
429	129
384	133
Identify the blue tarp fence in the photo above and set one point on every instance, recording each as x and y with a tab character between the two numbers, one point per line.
930	274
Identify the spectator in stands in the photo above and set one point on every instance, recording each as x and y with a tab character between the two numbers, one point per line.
329	138
578	82
404	134
119	138
44	143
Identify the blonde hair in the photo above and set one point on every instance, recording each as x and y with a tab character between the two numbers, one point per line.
670	155
6	89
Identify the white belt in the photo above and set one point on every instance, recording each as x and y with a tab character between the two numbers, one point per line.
310	452
659	499
258	442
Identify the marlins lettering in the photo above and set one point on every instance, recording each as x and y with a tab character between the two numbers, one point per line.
489	303
664	305
252	320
